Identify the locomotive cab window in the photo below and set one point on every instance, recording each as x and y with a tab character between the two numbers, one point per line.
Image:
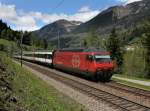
102	58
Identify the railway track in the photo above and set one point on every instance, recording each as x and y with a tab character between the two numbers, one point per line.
129	89
114	101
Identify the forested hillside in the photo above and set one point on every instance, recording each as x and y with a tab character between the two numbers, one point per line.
29	41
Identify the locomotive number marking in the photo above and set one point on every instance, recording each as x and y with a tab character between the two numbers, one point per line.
75	61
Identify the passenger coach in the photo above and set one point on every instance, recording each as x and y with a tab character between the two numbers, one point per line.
40	57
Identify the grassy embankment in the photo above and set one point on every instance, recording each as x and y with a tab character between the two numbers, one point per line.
28	92
131	83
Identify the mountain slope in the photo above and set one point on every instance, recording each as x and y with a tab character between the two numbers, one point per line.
119	16
61	26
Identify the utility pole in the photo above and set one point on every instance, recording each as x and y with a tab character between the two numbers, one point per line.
21	47
58	40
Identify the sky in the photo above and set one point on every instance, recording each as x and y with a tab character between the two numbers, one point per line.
31	15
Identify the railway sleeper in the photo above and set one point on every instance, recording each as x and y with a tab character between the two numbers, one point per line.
134	107
110	98
127	105
116	100
106	97
119	102
123	103
142	108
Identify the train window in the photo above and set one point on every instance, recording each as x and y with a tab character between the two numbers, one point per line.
42	55
45	56
37	55
27	55
49	56
102	58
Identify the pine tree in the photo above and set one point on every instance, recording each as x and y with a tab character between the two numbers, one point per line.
4	34
2	26
45	43
114	47
26	38
9	34
85	44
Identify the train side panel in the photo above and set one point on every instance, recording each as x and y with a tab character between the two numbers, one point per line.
73	61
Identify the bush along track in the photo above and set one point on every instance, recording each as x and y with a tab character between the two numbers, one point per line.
22	91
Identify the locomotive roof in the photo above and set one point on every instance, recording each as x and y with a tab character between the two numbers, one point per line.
82	50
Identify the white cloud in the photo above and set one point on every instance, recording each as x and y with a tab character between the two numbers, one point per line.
49	18
85	9
128	1
9	14
26	28
84	14
21	20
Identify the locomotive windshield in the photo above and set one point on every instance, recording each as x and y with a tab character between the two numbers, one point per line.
102	58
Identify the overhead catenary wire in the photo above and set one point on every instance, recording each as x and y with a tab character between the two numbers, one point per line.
58	5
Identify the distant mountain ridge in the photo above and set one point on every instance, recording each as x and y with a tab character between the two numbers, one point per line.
121	17
61	26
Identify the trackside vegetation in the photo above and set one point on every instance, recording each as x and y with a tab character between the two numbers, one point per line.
136	85
134	63
20	90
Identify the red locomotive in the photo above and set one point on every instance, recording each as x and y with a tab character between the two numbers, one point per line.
91	62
